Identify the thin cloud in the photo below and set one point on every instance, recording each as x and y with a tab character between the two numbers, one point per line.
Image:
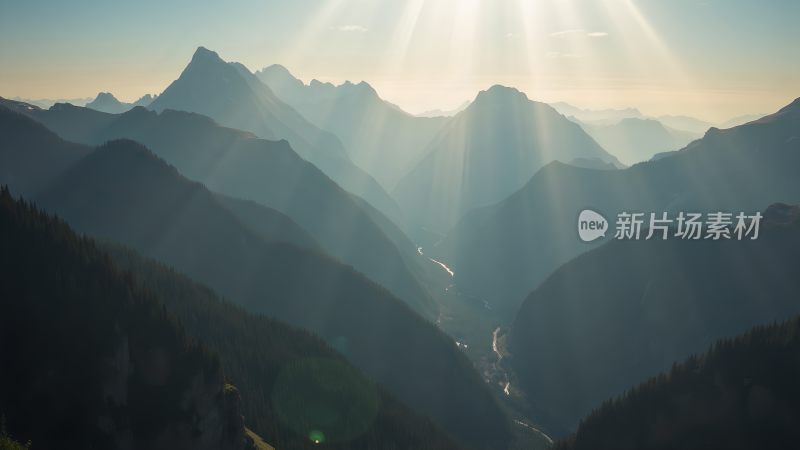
351	29
568	32
578	32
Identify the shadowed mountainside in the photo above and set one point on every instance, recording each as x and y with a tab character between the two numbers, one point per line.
487	152
236	163
256	351
636	140
234	97
504	251
626	311
122	192
90	360
740	394
380	138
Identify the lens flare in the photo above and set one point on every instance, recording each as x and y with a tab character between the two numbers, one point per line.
325	400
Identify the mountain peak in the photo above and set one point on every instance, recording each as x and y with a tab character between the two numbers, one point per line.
279	78
499	94
139	111
361	87
319	84
794	106
204	55
63	107
134	157
278	69
498	90
144	100
105	96
106	102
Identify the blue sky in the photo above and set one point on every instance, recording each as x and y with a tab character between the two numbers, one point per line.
707	58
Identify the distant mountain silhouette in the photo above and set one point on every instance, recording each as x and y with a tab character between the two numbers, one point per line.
270	173
380	138
106	102
740	120
48	102
593	163
685	123
122	192
503	251
487	152
624	312
601	118
443	112
283	83
636	140
234	97
90	359
597	116
145	100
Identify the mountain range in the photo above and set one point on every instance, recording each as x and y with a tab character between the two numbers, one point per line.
106	102
634	140
231	95
685	123
605	117
738	394
444	112
256	351
740	120
48	102
90	360
223	266
622	313
170	327
238	164
503	251
487	152
123	193
379	137
597	116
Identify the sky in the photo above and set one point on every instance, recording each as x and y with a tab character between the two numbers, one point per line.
712	59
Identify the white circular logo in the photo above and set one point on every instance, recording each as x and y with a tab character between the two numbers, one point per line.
591	225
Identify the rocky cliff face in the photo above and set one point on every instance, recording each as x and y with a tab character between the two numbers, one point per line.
210	416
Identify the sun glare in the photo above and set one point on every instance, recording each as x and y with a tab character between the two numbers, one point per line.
570	50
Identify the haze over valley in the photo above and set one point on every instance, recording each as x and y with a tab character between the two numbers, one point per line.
413	225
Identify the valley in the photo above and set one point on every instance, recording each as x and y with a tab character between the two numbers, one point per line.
476	336
481	335
399	225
